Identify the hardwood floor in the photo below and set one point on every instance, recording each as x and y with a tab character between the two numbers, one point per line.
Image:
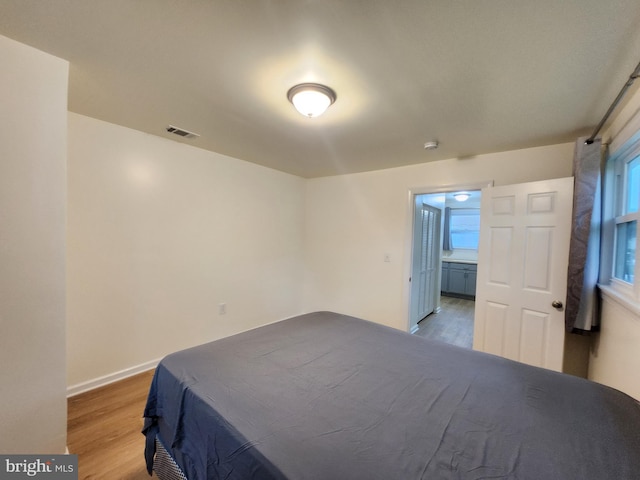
103	429
453	324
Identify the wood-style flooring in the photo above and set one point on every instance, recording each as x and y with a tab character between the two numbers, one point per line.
103	429
452	324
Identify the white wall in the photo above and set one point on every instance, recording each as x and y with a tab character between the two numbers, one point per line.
33	99
352	221
159	234
615	353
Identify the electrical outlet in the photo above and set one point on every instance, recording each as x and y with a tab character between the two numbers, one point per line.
222	308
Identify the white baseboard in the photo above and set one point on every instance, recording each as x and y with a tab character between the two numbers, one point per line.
414	329
112	377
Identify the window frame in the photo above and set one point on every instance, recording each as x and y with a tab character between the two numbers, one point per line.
615	202
459	211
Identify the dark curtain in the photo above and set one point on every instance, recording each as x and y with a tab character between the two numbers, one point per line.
582	312
446	237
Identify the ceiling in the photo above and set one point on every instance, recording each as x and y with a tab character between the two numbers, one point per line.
478	76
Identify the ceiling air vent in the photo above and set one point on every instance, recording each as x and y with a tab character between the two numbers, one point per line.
181	132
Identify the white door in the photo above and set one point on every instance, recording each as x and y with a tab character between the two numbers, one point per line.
426	261
522	271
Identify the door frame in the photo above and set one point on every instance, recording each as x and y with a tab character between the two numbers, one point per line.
409	230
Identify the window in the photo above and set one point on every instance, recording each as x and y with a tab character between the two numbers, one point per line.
625	199
465	228
625	254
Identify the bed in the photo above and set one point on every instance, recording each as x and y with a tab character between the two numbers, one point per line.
327	396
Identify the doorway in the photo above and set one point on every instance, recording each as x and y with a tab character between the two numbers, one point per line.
448	316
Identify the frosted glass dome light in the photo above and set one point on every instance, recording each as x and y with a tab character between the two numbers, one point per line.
311	99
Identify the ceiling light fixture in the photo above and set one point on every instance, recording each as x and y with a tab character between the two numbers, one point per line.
311	99
462	196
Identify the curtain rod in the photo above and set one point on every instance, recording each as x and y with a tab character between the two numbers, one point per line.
635	74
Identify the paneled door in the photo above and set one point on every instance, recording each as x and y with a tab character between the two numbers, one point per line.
426	262
522	271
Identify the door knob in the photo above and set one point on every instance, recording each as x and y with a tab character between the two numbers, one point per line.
556	304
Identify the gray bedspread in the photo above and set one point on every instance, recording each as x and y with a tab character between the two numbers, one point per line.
325	396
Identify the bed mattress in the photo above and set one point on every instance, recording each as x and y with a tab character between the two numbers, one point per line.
327	396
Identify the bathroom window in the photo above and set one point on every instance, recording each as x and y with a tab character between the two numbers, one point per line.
464	228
